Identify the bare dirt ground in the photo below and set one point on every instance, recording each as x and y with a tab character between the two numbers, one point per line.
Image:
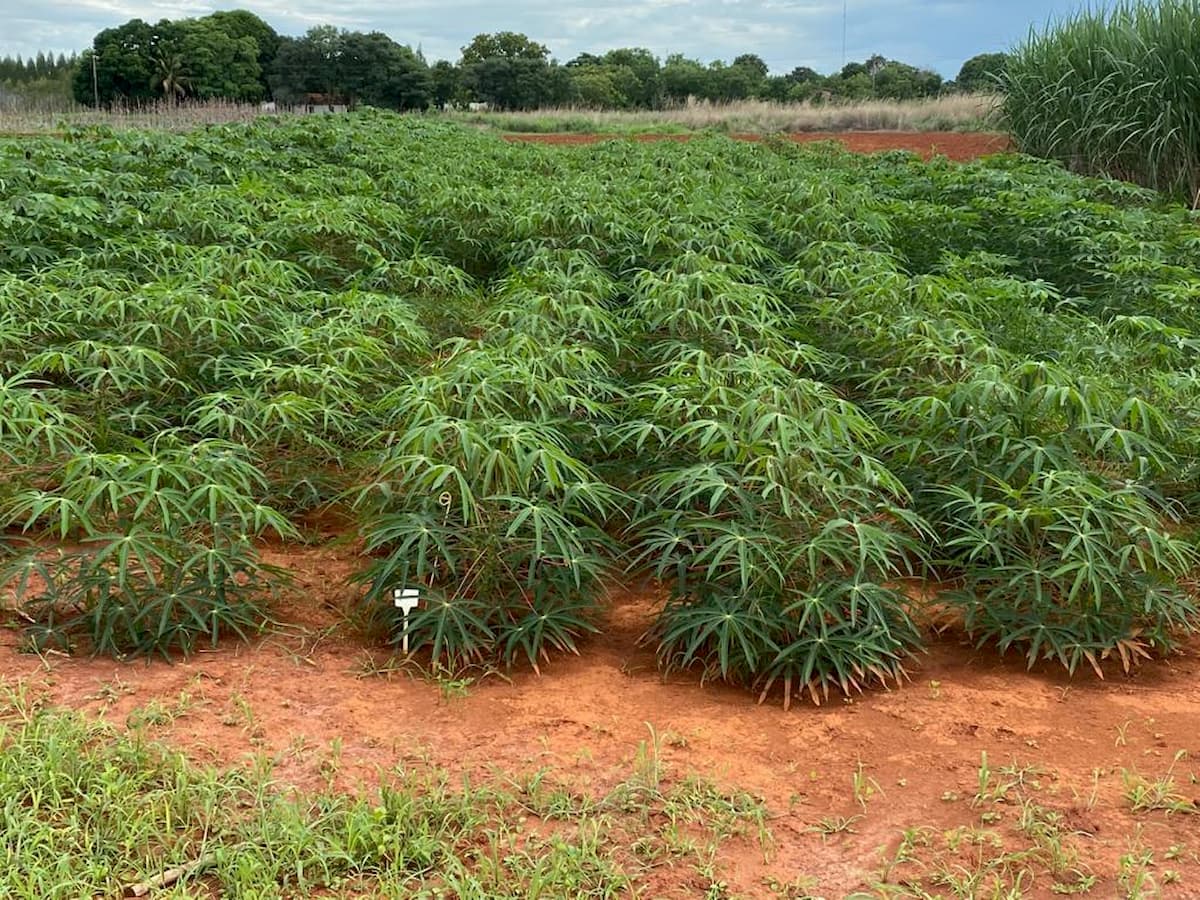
958	146
313	688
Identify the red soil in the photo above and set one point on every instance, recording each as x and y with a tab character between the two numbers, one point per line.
584	717
958	146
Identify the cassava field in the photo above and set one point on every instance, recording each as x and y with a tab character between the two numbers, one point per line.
787	522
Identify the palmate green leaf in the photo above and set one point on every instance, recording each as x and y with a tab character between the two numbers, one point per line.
1126	444
223	415
401	475
554	535
455	629
32	422
845	634
595	501
210	502
130	596
63	515
842	544
555	625
27	566
1150	549
135	556
722	633
664	544
420	541
747	555
709	486
708	437
173	615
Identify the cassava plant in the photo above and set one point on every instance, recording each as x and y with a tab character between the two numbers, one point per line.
784	380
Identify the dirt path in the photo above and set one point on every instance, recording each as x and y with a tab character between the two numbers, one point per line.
955	145
301	696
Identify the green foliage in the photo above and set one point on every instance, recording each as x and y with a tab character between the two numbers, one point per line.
218	64
507	70
96	810
16	71
1114	91
241	23
217	56
620	79
236	55
446	81
350	67
165	548
118	65
480	494
982	72
43	80
516	83
784	381
503	45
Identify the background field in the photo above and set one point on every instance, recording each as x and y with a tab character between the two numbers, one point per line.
873	433
966	112
960	112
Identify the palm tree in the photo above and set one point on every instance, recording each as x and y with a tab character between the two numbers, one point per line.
170	75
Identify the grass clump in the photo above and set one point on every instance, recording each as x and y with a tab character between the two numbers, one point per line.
92	811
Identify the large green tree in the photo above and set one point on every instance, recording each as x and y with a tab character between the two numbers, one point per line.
447	83
237	55
503	45
307	65
170	75
119	65
599	84
682	78
800	84
217	63
982	72
754	63
355	66
202	58
740	81
595	87
516	83
880	77
374	69
899	81
509	71
240	23
645	90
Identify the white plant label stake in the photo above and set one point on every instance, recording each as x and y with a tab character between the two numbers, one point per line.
406	599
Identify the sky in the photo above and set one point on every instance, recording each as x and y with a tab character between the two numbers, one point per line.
935	34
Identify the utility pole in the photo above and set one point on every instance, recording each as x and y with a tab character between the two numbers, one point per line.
845	16
95	82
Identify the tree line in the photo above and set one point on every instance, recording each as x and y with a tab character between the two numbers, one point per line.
42	76
14	70
236	55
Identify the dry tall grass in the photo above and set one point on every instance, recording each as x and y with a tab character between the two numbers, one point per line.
49	117
956	112
959	112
